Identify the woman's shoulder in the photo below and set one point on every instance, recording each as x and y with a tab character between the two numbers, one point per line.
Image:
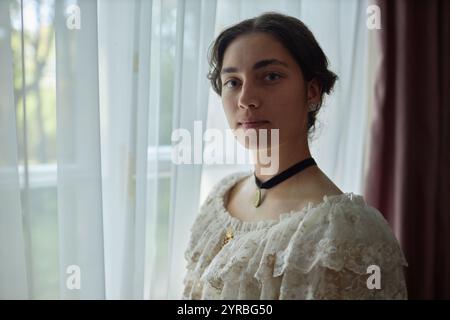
342	231
223	185
228	180
348	216
214	199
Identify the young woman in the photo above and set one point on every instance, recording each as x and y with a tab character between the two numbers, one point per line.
292	234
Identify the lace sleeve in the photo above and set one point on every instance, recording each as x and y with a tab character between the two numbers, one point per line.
347	251
324	283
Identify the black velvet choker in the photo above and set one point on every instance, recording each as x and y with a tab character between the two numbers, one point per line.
272	182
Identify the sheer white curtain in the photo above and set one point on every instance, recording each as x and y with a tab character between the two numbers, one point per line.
343	123
115	205
79	184
169	42
86	116
13	266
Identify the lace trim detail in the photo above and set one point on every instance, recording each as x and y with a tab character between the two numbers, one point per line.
220	195
273	259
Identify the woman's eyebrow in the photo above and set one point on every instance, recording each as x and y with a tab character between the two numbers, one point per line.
257	65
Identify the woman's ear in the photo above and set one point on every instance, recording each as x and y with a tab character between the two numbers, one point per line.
314	92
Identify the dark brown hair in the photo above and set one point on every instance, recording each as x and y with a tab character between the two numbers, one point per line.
295	37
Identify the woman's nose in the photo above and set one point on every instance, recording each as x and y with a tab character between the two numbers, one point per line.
248	97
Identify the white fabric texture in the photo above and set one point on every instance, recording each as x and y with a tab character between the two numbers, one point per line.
115	204
13	269
320	252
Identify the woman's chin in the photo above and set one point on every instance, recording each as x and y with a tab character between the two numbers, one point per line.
253	145
255	138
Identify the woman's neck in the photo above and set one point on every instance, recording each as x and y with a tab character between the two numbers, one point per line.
281	157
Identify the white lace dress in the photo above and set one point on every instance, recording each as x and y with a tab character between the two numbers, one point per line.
324	251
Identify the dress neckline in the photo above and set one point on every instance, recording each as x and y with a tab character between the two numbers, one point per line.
243	225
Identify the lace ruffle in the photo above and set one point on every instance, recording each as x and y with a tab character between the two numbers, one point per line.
347	234
341	233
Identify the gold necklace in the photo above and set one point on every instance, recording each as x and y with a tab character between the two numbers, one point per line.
257	198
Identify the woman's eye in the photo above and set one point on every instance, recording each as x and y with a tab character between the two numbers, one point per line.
277	76
273	76
229	81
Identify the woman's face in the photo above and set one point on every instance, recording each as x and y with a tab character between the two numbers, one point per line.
263	88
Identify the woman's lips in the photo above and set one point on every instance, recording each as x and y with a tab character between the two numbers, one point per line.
253	124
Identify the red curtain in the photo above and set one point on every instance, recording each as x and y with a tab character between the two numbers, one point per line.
409	177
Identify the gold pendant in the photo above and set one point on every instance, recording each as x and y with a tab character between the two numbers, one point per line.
228	236
257	200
